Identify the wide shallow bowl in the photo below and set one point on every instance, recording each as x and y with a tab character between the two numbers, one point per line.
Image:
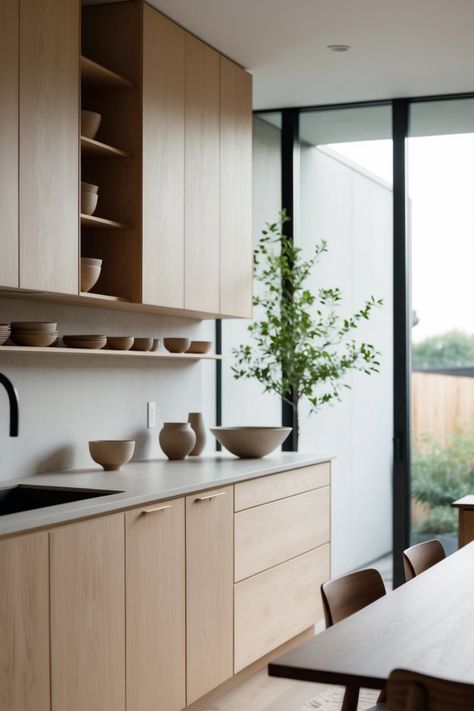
91	342
142	344
199	347
37	326
88	202
111	454
176	345
90	122
120	343
34	340
89	187
90	274
250	442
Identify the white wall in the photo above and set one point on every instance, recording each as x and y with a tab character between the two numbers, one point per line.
354	214
66	401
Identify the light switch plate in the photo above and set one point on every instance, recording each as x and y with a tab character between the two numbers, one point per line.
151	415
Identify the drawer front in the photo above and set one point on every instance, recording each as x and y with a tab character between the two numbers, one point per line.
271	534
278	486
274	606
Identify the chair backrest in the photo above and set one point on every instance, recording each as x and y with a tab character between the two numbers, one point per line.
419	558
410	691
350	593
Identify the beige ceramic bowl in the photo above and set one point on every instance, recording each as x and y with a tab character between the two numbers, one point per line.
89	187
37	326
111	454
90	122
176	345
199	347
250	442
88	202
4	335
91	342
90	272
142	344
156	344
35	340
120	343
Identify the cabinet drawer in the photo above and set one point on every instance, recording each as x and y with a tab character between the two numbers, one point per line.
271	534
274	606
278	486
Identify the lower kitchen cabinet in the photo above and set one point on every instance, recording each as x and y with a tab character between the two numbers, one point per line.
87	564
155	609
24	624
209	590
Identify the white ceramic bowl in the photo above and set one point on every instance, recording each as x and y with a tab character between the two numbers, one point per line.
250	442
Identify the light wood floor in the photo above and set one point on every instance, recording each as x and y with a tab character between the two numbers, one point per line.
264	693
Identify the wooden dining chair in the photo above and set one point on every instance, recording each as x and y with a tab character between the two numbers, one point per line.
419	558
342	597
410	691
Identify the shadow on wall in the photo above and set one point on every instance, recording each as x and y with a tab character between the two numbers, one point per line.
57	459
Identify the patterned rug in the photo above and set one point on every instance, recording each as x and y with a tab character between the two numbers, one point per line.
331	700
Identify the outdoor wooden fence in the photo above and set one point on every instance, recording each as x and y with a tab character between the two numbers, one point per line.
441	404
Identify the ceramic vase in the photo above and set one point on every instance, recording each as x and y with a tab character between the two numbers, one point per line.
196	421
177	439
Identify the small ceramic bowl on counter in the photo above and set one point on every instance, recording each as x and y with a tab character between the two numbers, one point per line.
111	454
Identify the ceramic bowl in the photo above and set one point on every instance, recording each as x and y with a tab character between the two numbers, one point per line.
199	347
4	336
176	345
35	340
120	343
37	326
90	122
142	344
91	342
111	454
156	344
251	442
90	272
88	202
89	187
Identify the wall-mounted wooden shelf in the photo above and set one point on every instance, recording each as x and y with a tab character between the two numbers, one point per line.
104	297
104	353
96	76
93	222
91	148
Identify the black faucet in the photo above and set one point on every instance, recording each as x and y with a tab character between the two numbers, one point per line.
14	408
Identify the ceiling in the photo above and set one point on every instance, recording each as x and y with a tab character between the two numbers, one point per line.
398	47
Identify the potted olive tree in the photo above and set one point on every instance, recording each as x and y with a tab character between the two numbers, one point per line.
301	347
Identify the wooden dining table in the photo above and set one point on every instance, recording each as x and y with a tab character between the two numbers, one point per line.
426	625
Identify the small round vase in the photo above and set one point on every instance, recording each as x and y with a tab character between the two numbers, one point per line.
196	421
177	439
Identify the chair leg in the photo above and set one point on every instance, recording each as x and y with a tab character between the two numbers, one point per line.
351	698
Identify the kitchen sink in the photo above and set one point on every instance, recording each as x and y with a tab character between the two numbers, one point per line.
24	497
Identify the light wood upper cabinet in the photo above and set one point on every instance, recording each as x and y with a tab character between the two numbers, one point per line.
155	584
202	200
9	18
163	161
209	590
236	190
24	624
88	615
49	145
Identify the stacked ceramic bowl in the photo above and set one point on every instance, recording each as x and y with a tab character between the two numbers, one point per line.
90	272
39	334
89	198
92	342
4	333
90	122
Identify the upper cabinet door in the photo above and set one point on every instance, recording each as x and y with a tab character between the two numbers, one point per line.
163	161
49	145
202	203
9	142
236	190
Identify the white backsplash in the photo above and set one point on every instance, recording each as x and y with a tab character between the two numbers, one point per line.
65	401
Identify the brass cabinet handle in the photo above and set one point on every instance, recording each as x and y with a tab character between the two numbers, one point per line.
158	508
209	498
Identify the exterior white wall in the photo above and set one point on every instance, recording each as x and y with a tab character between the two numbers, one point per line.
354	214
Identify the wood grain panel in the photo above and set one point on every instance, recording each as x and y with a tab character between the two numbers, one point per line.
49	145
88	615
156	646
163	161
268	535
278	486
9	18
209	591
274	606
202	200
466	526
24	624
236	190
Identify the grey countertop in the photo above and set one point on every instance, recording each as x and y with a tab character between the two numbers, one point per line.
144	482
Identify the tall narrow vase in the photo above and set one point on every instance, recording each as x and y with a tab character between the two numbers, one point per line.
196	421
